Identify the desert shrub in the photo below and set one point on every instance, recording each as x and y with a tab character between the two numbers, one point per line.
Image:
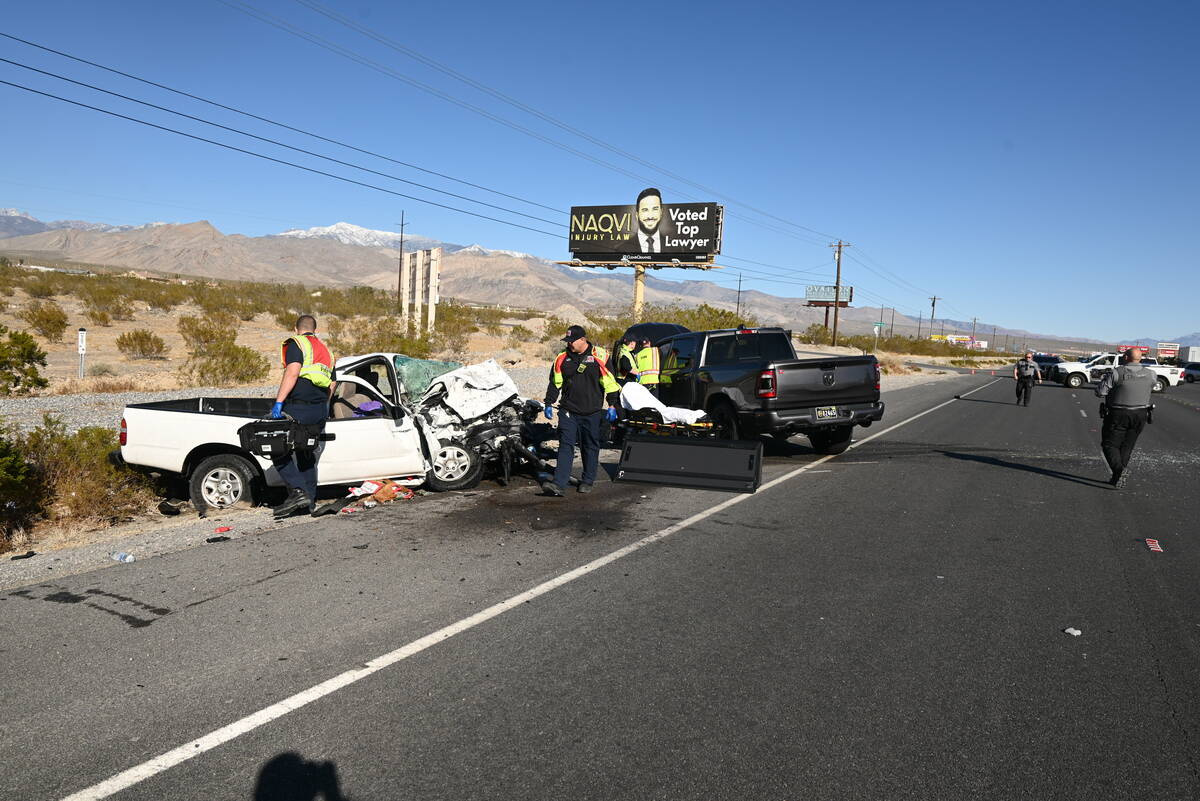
100	370
816	334
46	318
74	477
107	297
367	335
97	317
225	363
19	495
163	297
20	358
203	333
141	344
41	286
518	336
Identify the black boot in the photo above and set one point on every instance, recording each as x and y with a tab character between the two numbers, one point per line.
297	501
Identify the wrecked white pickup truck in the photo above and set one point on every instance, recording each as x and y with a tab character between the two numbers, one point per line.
438	433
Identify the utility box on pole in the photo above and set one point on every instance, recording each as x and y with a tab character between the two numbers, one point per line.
419	280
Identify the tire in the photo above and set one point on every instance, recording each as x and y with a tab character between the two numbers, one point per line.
454	467
222	482
1161	384
1188	379
725	420
831	441
1074	380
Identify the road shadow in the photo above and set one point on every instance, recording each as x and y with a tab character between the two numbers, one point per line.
1043	471
291	777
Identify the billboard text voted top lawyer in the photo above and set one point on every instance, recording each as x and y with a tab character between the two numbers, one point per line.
647	229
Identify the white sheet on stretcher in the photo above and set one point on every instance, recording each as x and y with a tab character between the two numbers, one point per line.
635	396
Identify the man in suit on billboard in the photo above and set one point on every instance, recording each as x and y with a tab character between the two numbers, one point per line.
652	229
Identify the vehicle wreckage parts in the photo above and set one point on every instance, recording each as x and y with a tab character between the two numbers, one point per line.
222	481
455	466
712	464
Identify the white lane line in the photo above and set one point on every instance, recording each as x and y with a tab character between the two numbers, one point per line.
1073	395
208	742
1082	412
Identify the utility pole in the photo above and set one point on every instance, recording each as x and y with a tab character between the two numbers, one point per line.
892	324
837	286
919	316
973	321
933	314
738	314
401	283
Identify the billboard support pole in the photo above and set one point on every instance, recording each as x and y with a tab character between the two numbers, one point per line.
639	291
837	292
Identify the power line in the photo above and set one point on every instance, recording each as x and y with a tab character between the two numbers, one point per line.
287	27
275	122
274	141
276	160
394	45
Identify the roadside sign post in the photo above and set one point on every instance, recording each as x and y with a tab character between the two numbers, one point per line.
82	349
878	327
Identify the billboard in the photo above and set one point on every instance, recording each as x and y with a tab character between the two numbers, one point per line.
1167	349
649	230
825	294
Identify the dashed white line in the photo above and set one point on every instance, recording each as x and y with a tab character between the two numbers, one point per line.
208	742
1083	413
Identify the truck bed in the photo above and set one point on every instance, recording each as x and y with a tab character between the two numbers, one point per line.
252	408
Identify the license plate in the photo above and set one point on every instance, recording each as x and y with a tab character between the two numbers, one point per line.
827	412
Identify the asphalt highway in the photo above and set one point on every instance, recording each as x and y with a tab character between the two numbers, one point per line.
884	624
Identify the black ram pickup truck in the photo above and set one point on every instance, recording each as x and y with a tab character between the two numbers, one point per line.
750	382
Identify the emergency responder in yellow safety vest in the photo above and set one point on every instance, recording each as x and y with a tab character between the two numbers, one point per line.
303	395
625	365
581	384
648	369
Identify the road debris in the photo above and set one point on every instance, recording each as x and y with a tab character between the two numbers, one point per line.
218	539
222	529
121	556
25	555
1074	632
1154	546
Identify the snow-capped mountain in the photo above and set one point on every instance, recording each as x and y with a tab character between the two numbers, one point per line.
14	222
349	234
480	250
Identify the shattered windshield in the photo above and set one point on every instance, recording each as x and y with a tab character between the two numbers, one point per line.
415	375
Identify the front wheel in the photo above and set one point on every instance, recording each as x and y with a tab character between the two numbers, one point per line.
222	481
831	441
1074	381
1161	385
455	467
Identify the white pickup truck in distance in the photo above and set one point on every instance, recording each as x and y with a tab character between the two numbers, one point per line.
440	439
1076	374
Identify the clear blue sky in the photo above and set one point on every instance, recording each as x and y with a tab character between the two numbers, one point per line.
1022	160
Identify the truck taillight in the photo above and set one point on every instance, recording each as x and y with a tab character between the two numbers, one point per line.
124	432
876	375
766	384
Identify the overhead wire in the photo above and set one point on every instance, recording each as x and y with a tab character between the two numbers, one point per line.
288	27
430	62
276	123
276	160
274	141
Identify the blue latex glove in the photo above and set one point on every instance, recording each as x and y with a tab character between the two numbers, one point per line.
549	412
611	414
277	411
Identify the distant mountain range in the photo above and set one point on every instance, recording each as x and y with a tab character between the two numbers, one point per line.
345	254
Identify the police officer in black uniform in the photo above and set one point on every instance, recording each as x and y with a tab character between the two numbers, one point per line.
1025	374
1125	406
